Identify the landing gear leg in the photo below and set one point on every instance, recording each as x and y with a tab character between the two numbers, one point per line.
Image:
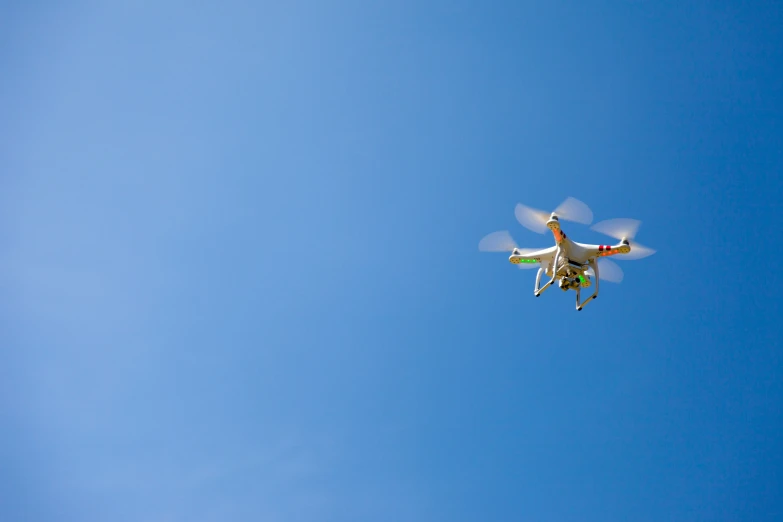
579	305
539	291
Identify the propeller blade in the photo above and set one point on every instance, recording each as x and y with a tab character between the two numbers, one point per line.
531	218
618	228
610	271
624	228
569	210
497	242
637	252
574	210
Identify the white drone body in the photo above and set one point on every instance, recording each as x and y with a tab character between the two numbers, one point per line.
570	264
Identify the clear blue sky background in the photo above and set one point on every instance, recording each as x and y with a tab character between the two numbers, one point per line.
240	276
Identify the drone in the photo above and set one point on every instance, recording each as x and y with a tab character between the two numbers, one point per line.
571	265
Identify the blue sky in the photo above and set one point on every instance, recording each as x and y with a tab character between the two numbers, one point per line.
240	277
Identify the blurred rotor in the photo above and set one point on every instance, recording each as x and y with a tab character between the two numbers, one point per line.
625	229
500	241
569	210
608	271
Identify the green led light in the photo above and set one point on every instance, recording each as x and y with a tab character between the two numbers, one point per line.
581	278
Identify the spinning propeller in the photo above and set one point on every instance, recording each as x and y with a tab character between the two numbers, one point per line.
502	241
608	271
624	229
570	210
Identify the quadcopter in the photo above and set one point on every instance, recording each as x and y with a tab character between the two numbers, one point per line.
571	265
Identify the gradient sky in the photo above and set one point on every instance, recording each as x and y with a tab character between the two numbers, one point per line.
240	275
